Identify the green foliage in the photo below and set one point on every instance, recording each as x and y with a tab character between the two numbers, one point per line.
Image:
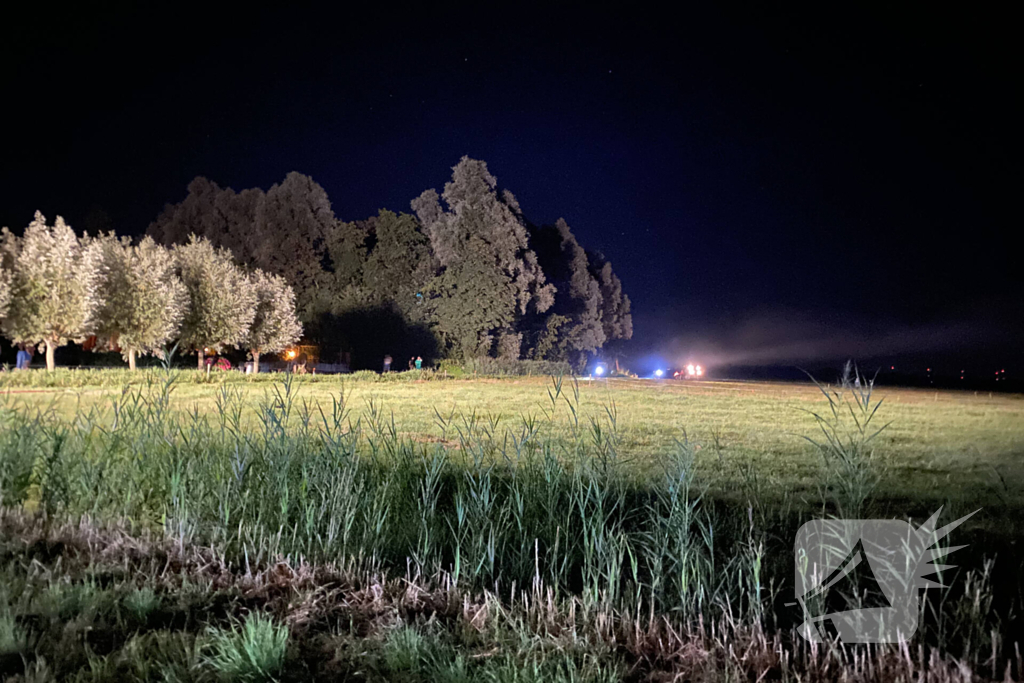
574	327
12	636
347	251
551	343
615	305
465	273
53	294
848	431
291	238
489	277
5	287
521	548
142	300
404	650
283	231
296	479
400	264
141	602
468	303
274	326
499	367
249	652
222	303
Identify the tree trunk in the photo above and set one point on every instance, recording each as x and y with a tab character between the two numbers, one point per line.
51	363
201	359
131	359
255	361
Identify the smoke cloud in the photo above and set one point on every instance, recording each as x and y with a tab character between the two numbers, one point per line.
783	337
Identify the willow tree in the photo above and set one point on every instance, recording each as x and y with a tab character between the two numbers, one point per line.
275	325
143	299
5	290
53	293
221	302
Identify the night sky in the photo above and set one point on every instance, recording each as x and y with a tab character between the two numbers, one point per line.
772	189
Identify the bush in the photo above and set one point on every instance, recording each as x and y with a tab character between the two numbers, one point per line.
364	375
498	367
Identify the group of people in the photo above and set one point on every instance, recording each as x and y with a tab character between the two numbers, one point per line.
415	363
24	358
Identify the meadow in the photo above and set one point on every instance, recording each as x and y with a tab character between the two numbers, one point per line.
171	525
940	444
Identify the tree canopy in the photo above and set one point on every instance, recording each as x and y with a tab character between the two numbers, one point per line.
142	300
222	303
274	326
489	277
283	231
53	285
465	267
57	287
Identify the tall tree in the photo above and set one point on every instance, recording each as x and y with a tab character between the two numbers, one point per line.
296	223
53	285
143	301
197	215
616	318
579	299
275	325
283	231
489	276
347	249
400	264
222	303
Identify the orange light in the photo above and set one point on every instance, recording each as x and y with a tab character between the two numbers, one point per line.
290	354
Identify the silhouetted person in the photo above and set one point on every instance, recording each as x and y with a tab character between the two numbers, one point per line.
24	358
387	363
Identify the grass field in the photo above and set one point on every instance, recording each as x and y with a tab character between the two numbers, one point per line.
940	444
185	527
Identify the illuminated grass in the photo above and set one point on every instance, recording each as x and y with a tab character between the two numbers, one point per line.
941	444
426	531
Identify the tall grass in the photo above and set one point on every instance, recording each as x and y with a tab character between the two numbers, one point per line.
489	506
249	652
501	510
846	444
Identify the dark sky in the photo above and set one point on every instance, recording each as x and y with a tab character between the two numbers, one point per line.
771	188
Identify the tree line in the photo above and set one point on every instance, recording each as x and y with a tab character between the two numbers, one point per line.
464	273
137	296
